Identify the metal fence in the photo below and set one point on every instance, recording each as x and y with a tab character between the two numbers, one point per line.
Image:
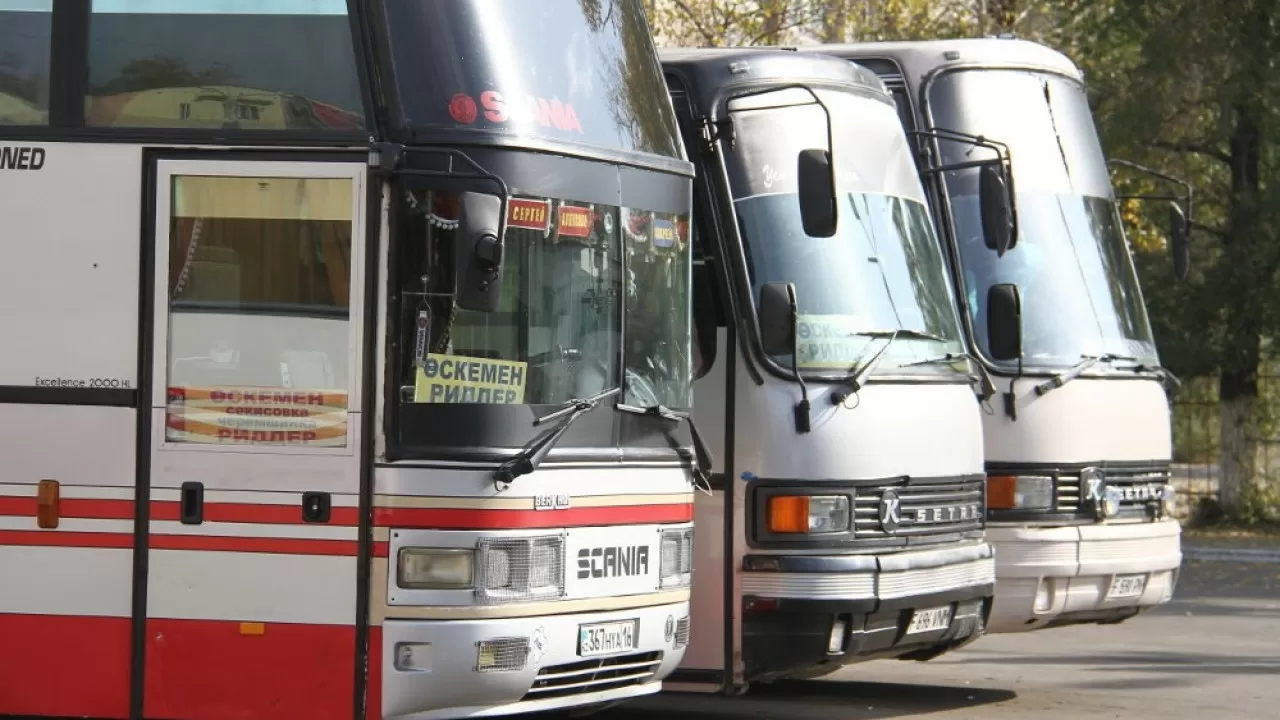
1196	437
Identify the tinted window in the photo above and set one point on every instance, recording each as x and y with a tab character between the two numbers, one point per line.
24	61
239	64
570	70
659	358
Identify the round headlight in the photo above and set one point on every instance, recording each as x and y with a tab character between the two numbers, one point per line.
1111	502
1168	500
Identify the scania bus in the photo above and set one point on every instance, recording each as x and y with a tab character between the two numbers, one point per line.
1078	445
346	349
846	518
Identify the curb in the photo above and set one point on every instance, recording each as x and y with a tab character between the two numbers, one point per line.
1228	554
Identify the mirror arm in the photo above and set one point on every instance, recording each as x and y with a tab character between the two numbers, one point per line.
1189	198
802	418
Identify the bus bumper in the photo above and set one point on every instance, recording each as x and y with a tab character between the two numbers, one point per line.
431	668
806	616
1082	574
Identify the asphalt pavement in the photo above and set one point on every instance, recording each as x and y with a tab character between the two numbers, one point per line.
1214	651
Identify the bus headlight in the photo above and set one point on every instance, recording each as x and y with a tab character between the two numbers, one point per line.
813	514
522	569
435	568
676	564
1021	492
1168	500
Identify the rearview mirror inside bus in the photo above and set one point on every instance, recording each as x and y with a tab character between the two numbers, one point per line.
1004	322
1179	240
817	190
478	253
777	318
997	209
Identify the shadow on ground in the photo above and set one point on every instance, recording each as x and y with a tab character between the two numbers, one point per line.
807	700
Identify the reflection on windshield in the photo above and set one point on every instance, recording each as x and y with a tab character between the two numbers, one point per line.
882	270
1072	262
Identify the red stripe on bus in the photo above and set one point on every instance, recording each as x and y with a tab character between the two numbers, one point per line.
64	666
214	670
62	538
453	518
78	508
254	513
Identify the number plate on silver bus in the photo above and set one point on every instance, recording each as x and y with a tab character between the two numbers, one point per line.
930	619
607	638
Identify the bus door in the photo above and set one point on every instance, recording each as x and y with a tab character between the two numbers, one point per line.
254	458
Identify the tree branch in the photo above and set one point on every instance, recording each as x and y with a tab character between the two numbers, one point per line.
1195	148
698	27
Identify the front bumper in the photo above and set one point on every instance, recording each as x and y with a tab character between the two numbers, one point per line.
444	682
1063	575
793	605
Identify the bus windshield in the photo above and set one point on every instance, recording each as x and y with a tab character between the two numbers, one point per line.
882	271
577	71
1072	263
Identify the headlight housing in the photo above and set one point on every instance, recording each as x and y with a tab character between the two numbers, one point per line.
1020	492
513	570
676	565
810	514
435	568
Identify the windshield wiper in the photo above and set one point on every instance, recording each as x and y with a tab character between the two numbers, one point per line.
1086	362
532	456
987	384
859	374
700	448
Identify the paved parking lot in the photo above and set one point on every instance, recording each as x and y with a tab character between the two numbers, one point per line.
1212	652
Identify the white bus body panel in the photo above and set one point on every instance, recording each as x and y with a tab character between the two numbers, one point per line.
1045	572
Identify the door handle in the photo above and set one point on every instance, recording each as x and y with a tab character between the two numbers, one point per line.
191	501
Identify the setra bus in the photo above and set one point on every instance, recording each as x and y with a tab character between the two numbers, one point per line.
1078	445
847	512
346	349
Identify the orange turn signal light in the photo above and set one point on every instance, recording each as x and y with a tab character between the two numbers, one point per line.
1002	492
47	504
789	514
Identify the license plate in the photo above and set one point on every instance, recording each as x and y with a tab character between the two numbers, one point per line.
930	619
1127	586
607	638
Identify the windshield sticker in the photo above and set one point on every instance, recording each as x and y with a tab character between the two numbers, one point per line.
499	110
256	416
827	342
529	214
460	379
664	233
574	222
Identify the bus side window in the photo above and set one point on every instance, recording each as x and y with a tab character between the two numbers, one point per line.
25	37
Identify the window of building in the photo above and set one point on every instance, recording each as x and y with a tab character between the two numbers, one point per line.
223	64
25	39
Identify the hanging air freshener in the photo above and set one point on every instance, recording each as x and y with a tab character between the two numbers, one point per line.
421	336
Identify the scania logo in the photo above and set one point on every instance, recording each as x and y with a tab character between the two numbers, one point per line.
604	562
1094	484
890	511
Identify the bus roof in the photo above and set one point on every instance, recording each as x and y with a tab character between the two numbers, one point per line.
916	59
703	72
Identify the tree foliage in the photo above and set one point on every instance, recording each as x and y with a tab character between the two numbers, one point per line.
1189	88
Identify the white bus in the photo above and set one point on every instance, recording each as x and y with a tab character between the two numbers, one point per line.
344	352
1078	443
846	519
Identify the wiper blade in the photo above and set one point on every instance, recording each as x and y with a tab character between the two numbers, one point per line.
987	384
1086	362
862	370
705	461
532	456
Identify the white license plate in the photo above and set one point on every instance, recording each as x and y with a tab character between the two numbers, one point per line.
607	638
930	619
1127	586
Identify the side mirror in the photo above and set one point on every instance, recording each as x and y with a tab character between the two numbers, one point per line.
777	318
1179	240
1004	322
997	209
816	184
477	253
